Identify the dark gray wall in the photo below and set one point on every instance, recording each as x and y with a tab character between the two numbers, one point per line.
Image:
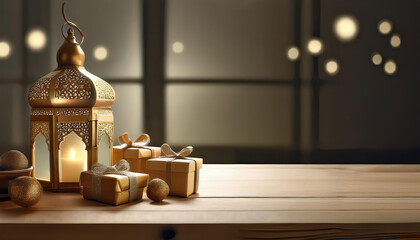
232	92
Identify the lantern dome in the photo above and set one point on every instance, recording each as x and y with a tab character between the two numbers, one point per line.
71	85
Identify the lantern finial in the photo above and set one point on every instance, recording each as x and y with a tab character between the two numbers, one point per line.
70	52
71	24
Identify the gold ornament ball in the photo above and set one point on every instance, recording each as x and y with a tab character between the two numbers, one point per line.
13	160
157	190
25	191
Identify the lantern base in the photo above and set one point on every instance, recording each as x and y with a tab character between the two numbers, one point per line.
62	187
67	190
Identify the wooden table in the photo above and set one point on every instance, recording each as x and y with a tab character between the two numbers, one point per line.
243	202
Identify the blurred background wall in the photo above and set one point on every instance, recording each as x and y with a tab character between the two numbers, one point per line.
220	75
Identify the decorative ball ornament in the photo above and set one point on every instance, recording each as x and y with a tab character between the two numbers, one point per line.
157	190
13	160
25	191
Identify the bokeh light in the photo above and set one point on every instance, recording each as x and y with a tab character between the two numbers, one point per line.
332	67
315	46
395	40
390	67
293	53
385	26
100	53
36	39
178	47
5	49
346	28
376	58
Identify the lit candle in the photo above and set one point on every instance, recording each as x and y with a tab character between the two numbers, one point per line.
72	166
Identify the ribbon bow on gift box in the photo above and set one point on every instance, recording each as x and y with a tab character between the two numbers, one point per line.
140	142
101	169
121	168
167	152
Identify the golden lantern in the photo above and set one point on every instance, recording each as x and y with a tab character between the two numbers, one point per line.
72	124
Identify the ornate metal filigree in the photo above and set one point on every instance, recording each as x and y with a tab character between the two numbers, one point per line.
73	112
40	89
103	89
73	85
41	112
105	128
40	127
80	128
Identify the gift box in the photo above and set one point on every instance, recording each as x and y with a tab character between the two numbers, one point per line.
136	153
180	172
113	185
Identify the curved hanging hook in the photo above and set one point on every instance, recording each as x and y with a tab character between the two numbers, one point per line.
71	25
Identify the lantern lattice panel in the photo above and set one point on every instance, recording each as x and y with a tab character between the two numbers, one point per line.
80	128
106	128
40	127
73	85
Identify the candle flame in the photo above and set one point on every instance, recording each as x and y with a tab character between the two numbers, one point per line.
72	154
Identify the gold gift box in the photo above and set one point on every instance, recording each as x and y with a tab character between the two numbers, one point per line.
182	175
137	157
115	189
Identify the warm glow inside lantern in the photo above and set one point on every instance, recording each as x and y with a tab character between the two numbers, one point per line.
72	124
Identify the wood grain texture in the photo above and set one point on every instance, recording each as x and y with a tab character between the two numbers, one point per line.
212	231
310	181
249	202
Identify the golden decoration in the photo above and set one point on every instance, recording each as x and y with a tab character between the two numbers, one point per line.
25	191
40	127
80	128
73	111
157	190
41	111
40	88
70	85
105	128
70	99
13	160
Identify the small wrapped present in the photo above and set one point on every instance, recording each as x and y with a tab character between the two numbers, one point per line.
113	185
136	153
180	172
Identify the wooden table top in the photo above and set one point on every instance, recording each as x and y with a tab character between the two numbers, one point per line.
237	194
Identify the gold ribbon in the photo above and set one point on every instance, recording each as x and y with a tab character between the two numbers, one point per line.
140	142
167	152
101	169
121	168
